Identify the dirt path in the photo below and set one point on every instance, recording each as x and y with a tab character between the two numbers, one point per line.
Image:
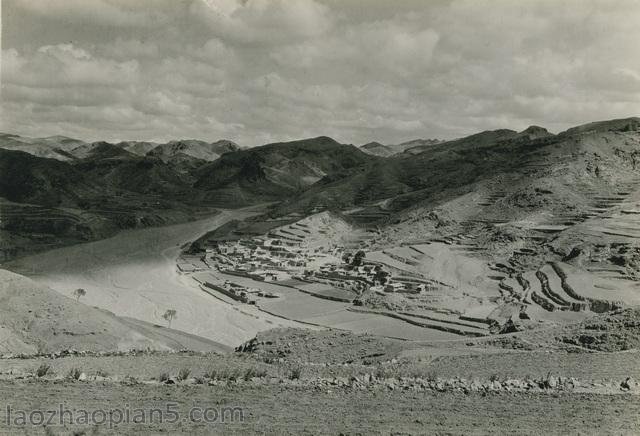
133	274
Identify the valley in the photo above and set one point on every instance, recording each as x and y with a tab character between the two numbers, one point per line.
319	217
497	232
470	275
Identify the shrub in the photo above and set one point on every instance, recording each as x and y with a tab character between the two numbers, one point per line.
234	375
494	378
381	372
163	377
432	376
295	373
248	374
212	374
43	370
253	372
183	374
74	374
130	380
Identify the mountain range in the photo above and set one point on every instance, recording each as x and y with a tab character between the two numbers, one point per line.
60	190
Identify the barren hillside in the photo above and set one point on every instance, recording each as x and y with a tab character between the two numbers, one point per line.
35	319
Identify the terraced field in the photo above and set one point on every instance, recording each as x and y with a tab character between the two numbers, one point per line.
607	218
44	227
594	286
461	290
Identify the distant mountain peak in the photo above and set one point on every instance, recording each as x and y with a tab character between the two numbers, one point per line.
535	132
377	149
324	140
226	144
534	129
99	150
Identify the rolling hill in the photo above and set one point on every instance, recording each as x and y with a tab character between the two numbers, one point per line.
65	149
276	171
197	149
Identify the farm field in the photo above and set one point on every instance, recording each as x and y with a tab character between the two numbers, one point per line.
313	311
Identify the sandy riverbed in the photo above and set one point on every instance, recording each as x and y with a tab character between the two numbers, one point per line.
134	274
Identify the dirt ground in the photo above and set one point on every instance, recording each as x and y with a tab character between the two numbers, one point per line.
294	411
295	382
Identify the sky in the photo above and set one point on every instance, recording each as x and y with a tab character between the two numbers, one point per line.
260	71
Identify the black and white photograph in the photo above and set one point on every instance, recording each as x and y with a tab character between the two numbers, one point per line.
320	217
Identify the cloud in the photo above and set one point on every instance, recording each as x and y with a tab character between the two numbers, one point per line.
384	50
66	65
263	21
99	12
123	49
271	70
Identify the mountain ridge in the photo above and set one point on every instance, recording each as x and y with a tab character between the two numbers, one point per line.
106	187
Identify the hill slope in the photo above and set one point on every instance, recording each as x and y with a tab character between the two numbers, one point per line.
25	178
275	171
505	160
35	319
140	148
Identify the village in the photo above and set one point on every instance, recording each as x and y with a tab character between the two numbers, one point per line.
292	255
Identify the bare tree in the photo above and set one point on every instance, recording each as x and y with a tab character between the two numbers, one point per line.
79	293
170	315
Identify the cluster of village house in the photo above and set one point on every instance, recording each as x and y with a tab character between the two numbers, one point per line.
270	259
367	276
274	259
238	292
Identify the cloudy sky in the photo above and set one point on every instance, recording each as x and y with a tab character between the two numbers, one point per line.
258	71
